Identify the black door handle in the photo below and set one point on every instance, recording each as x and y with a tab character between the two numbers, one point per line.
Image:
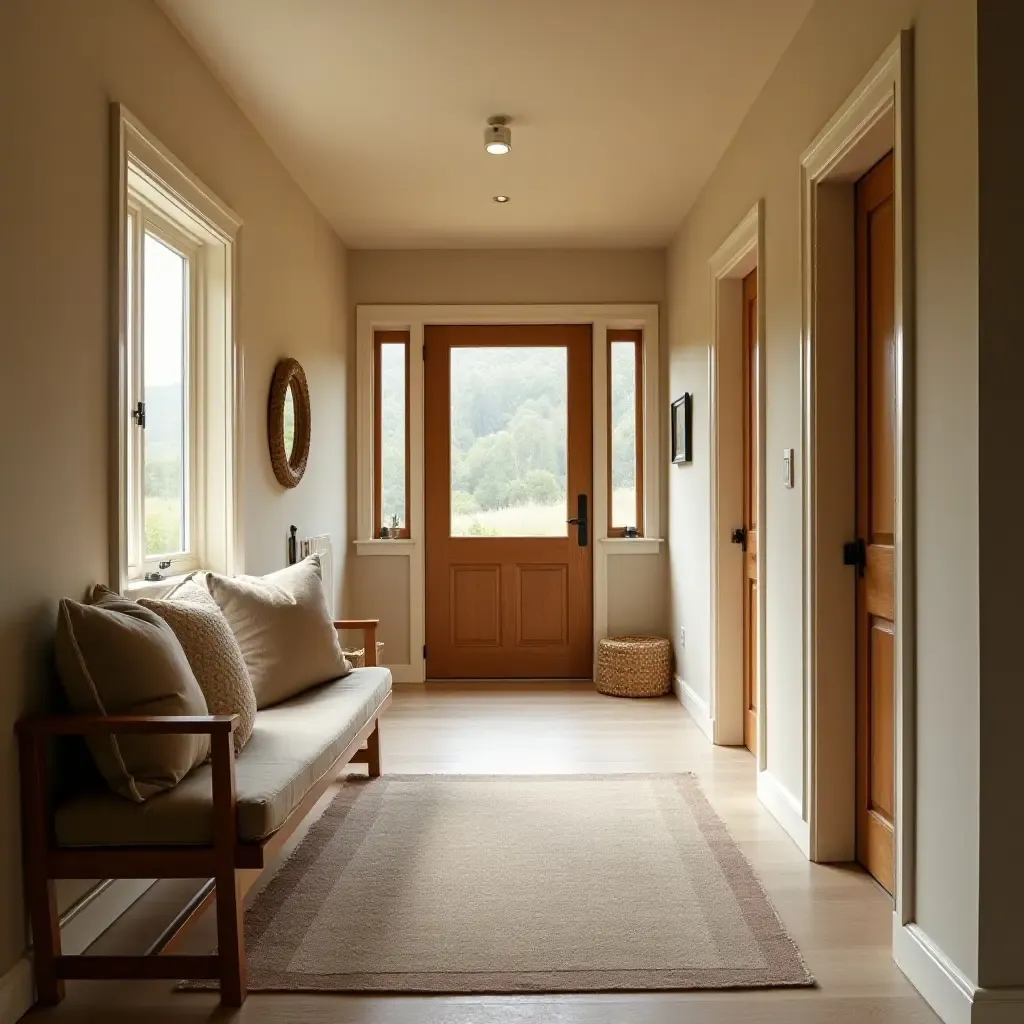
855	553
739	536
580	520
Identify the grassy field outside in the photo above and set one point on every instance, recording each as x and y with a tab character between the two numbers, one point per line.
533	520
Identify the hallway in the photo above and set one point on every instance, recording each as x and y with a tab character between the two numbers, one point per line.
839	918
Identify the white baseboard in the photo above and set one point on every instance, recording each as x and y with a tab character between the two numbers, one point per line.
17	992
944	987
81	925
786	809
998	1006
406	673
696	706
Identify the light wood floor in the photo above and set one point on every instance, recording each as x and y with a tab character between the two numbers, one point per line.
840	919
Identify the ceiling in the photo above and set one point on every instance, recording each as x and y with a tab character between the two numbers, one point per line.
621	108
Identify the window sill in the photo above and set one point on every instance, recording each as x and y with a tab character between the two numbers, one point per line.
135	589
631	545
403	546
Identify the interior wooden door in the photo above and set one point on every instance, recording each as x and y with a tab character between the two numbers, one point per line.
876	518
508	457
750	506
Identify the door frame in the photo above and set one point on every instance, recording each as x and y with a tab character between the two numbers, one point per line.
735	258
413	318
874	120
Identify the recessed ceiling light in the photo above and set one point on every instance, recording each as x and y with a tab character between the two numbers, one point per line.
498	135
501	199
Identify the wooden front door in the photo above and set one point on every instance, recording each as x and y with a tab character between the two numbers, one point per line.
508	458
876	518
750	505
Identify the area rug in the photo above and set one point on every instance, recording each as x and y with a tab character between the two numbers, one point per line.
470	883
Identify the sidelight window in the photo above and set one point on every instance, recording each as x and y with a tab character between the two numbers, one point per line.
625	433
391	433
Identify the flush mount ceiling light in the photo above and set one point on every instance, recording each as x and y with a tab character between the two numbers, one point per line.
498	135
501	199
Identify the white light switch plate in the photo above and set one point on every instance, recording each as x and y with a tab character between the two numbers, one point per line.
787	467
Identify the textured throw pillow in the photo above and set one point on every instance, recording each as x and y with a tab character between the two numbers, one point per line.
283	627
193	590
213	654
117	658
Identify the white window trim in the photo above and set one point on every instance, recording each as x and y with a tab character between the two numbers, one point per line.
150	221
413	319
144	169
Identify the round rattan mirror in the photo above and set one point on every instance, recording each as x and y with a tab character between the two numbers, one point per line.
288	422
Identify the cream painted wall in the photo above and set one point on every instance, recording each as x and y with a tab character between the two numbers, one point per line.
426	276
834	49
62	62
1001	365
378	277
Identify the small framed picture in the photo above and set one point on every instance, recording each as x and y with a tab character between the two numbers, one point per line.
682	429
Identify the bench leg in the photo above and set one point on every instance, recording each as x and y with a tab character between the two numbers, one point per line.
230	939
230	928
45	940
40	891
373	752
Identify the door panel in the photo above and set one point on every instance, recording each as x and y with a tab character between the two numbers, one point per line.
476	605
542	599
508	445
750	506
876	517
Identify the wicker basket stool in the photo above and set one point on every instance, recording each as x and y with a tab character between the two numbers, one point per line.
634	666
358	657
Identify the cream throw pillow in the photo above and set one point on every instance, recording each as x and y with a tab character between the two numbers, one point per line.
213	654
193	590
283	627
117	658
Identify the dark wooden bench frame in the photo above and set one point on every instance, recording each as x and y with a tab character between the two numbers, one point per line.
230	865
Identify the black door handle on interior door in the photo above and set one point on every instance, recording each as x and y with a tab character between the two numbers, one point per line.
580	520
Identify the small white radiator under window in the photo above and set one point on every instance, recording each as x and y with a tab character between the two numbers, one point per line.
321	545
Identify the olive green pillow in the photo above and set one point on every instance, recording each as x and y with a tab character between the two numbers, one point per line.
118	658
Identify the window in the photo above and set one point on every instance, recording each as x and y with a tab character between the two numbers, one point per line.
391	433
509	441
162	343
625	433
177	430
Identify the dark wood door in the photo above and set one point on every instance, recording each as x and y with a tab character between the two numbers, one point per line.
750	506
508	456
876	518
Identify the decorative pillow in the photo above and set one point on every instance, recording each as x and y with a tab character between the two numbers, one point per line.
117	658
283	627
213	654
193	590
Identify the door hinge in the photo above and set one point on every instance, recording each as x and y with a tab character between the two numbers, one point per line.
139	414
424	652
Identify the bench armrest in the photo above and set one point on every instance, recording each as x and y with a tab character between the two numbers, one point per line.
33	734
369	628
84	725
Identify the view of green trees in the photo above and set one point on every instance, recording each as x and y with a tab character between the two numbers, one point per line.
163	468
508	436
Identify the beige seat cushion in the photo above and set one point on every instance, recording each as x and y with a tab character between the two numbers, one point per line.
214	655
291	747
283	627
118	658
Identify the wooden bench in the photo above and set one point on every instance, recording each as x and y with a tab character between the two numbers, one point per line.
230	864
